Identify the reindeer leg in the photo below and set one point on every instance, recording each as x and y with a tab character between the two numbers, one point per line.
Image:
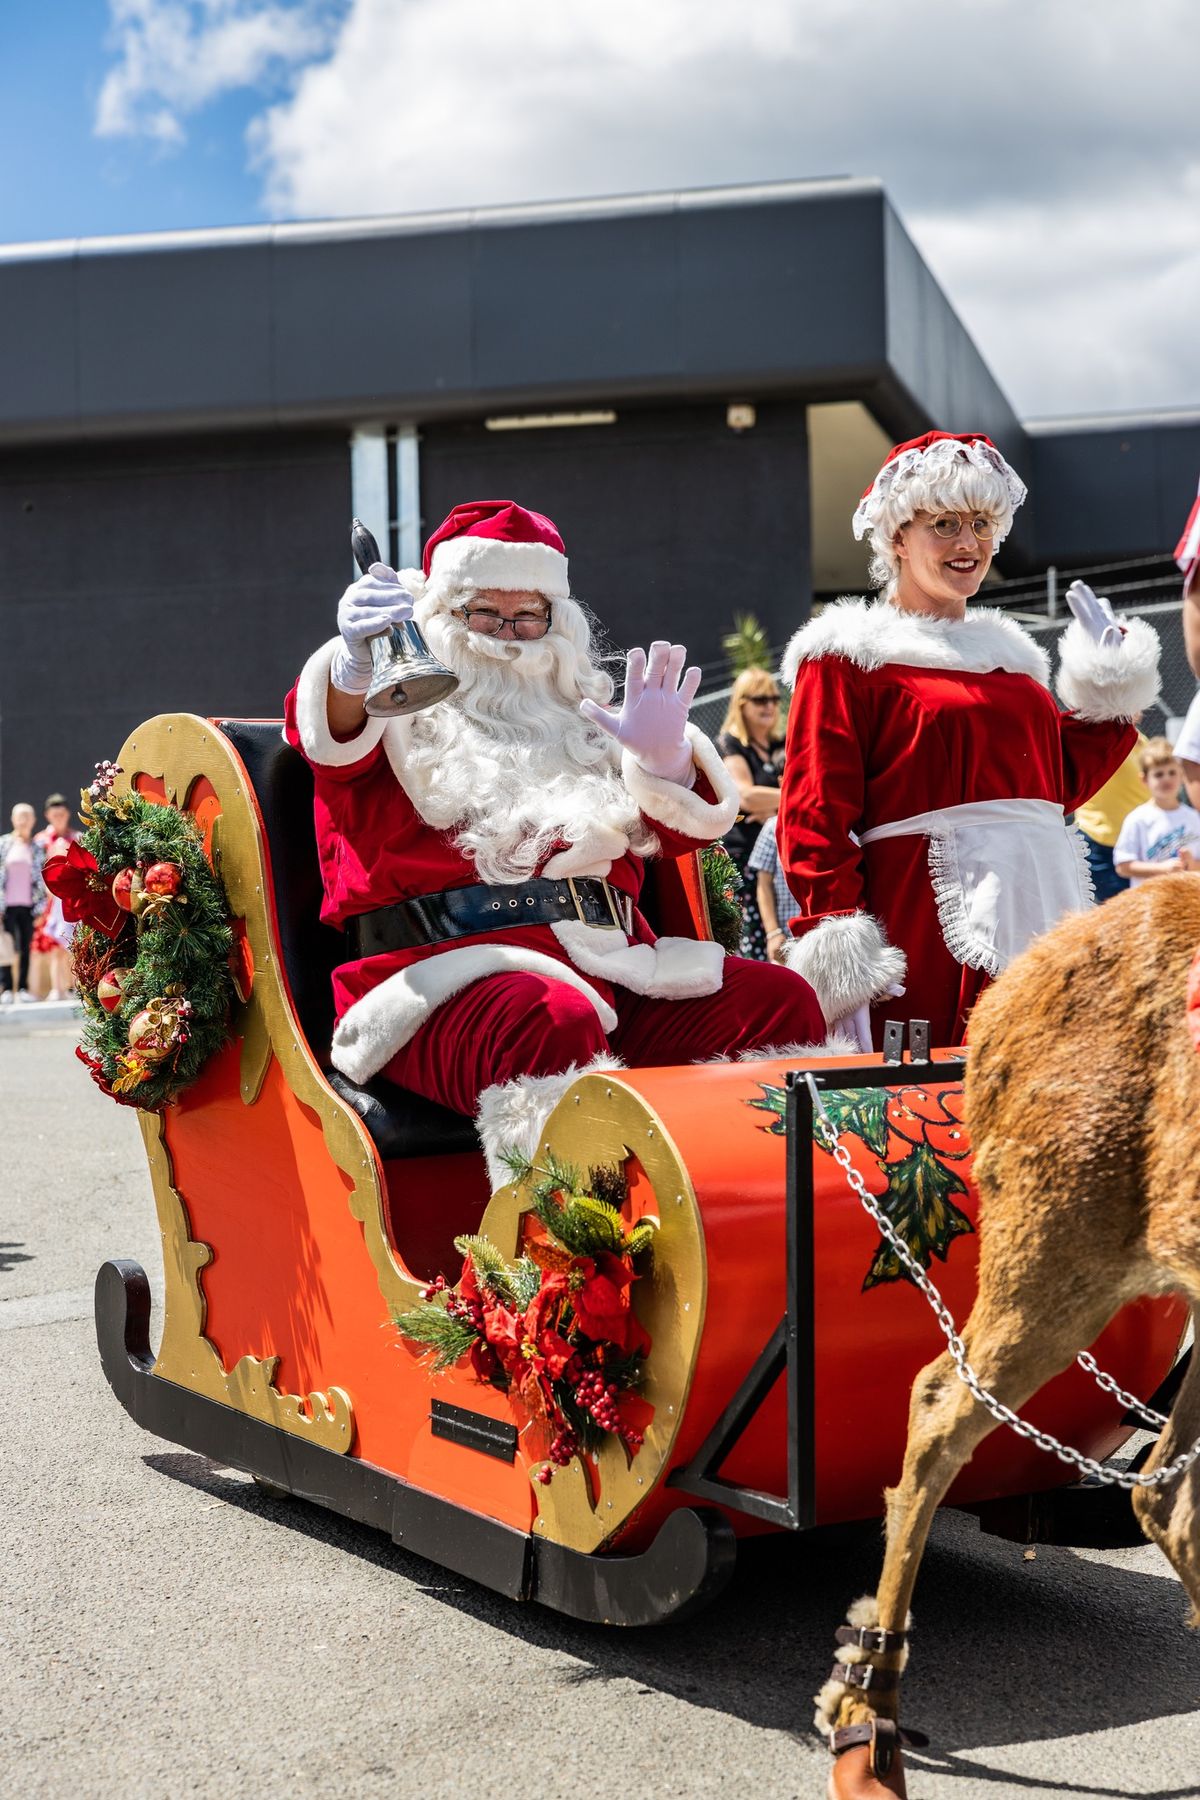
1013	1356
1170	1515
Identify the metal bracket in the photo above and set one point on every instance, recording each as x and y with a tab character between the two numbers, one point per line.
893	1041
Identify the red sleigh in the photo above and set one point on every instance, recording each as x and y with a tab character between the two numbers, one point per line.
301	1214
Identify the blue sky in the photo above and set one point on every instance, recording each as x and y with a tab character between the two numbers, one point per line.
1046	161
65	182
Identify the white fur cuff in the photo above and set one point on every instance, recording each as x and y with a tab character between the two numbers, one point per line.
847	962
682	809
1112	683
312	719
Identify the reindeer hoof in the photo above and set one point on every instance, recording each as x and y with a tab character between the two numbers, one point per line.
867	1761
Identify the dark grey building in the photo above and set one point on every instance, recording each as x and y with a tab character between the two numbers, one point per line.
695	386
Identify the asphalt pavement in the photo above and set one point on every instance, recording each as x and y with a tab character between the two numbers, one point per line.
167	1629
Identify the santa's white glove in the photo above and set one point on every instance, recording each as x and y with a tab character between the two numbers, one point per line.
653	716
1095	615
366	609
857	1025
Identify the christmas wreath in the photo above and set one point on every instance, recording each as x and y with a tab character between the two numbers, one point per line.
557	1326
153	949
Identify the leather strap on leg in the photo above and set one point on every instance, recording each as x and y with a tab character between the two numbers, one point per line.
885	1738
871	1637
864	1676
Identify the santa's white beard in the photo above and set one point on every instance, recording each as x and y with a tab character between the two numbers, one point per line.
508	763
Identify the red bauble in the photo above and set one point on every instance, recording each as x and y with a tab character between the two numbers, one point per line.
128	890
163	878
110	989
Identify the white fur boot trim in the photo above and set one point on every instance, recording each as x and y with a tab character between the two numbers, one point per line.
836	1044
1112	683
512	1113
671	969
375	1027
847	962
828	1699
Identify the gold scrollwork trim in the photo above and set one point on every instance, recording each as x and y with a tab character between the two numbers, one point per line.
188	1358
602	1120
179	748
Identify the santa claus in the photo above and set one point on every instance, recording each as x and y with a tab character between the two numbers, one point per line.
485	857
928	767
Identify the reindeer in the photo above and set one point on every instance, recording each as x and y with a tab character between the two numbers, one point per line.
1082	1093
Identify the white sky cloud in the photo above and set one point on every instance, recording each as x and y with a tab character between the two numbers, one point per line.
1045	158
175	56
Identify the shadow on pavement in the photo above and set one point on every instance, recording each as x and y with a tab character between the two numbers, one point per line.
1005	1651
11	1255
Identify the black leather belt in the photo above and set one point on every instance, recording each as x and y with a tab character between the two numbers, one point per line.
469	911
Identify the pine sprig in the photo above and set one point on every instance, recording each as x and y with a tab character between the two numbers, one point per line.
488	1264
722	884
431	1325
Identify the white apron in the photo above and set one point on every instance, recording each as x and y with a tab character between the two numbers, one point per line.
1002	871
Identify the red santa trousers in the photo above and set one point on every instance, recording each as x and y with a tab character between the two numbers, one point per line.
524	1024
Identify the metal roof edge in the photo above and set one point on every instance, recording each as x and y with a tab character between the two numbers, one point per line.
283	232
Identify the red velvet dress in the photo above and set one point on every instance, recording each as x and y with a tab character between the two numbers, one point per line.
910	735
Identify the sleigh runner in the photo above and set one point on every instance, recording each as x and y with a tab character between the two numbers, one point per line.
302	1215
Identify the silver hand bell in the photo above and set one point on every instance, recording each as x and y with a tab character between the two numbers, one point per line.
407	677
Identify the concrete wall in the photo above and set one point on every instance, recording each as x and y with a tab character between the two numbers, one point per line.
1114	489
139	578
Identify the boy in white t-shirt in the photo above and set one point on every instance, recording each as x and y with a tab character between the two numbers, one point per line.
1162	836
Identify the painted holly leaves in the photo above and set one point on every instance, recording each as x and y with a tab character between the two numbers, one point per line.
917	1136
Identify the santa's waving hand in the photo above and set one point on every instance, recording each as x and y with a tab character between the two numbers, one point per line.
652	722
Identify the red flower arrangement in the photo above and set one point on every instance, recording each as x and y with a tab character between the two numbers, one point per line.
557	1327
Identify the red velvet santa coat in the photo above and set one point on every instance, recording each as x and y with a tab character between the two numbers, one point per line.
927	731
375	849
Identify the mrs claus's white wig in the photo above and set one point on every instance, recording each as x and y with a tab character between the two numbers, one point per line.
934	474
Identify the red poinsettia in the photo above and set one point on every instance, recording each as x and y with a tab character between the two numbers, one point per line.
86	897
600	1296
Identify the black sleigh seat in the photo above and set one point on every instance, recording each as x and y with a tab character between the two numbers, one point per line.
401	1123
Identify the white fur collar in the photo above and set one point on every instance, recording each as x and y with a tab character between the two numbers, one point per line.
871	634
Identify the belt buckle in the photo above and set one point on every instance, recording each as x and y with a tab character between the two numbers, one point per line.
613	923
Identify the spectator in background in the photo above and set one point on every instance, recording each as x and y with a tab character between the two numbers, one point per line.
1187	748
776	907
53	933
22	890
1162	835
751	746
1099	821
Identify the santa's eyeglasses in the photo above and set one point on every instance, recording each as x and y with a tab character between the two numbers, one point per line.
525	625
948	525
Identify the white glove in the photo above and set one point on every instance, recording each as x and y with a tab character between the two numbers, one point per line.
857	1025
653	711
366	609
1095	615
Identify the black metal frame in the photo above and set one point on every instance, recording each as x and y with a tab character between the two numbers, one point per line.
687	1564
790	1351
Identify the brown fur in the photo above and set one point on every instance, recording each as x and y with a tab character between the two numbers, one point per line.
1083	1091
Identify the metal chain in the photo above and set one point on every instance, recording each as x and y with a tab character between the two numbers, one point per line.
1129	1401
1003	1415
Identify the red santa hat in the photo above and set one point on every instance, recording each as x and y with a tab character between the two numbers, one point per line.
932	455
498	544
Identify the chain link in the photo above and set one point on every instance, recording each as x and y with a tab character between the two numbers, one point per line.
1003	1415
